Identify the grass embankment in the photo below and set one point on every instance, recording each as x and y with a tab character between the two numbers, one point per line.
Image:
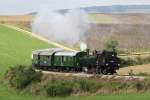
44	86
15	48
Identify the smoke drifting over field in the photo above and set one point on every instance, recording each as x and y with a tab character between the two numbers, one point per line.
69	27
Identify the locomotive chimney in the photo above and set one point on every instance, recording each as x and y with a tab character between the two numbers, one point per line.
88	51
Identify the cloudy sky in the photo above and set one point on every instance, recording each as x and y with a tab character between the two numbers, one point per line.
12	7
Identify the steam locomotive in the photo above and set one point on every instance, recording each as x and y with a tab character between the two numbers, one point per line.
56	59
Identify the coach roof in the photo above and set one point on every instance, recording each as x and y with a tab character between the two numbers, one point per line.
66	53
50	51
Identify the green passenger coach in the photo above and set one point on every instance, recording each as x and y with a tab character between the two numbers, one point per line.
56	58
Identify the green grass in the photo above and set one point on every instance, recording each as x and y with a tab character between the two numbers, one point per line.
135	96
16	48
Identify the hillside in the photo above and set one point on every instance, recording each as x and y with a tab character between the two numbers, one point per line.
110	9
16	48
118	9
129	36
130	29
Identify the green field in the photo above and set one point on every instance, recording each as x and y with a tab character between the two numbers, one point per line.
101	18
14	96
16	48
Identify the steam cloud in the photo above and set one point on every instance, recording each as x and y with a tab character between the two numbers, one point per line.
69	27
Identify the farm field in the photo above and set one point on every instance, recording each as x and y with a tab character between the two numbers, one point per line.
97	18
19	18
130	30
135	69
101	18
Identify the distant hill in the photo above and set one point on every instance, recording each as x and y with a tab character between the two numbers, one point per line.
111	9
118	9
32	13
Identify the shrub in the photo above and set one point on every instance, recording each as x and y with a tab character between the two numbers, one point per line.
139	86
114	85
21	76
143	60
87	85
111	45
127	62
135	61
59	88
131	73
142	74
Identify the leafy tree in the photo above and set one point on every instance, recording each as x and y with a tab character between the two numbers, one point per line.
111	45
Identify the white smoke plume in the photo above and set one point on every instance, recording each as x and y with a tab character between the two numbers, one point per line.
83	46
68	27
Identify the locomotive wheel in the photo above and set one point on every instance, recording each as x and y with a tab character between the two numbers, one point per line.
98	71
104	71
112	72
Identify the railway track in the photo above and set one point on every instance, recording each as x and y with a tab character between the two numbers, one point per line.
81	74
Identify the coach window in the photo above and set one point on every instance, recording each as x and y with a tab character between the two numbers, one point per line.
65	58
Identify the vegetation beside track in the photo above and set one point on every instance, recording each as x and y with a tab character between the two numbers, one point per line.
25	79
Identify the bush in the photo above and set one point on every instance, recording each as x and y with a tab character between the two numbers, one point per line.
66	88
142	74
139	86
111	45
87	85
135	61
59	88
21	76
131	73
127	62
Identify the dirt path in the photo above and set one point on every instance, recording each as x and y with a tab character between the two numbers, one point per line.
135	69
39	37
